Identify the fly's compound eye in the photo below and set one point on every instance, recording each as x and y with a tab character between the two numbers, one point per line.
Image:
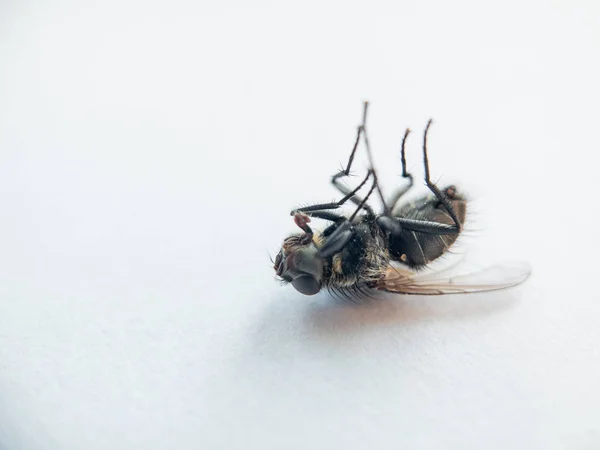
306	284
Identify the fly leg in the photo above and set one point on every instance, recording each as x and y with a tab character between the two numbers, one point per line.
395	225
336	179
345	229
362	130
406	175
322	211
386	208
450	191
351	195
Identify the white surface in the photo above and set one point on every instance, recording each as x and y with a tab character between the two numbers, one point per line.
150	154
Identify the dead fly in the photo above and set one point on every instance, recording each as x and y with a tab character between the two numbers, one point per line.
384	251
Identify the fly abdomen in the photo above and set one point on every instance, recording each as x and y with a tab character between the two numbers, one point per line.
416	248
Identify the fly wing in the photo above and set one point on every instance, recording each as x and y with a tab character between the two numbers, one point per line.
497	276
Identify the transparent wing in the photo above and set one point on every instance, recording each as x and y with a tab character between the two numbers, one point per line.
494	277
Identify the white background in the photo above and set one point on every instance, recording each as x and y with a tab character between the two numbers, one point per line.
150	154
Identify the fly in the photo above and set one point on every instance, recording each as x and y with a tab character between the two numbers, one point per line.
384	251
